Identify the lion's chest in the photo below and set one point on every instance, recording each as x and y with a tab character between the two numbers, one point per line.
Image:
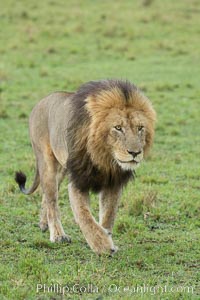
87	177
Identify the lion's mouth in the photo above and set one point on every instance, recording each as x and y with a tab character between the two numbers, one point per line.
129	161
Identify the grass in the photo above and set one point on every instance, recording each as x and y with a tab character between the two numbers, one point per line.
57	45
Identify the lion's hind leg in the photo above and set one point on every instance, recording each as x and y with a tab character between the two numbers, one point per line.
50	215
43	215
61	172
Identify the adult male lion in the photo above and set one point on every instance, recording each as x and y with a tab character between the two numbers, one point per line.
98	136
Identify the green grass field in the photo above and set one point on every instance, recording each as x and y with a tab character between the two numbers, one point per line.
57	45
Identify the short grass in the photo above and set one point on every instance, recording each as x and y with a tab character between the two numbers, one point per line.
57	45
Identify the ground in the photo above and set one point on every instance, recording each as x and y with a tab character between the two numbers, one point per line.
57	45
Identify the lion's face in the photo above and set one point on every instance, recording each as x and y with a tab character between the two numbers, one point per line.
126	137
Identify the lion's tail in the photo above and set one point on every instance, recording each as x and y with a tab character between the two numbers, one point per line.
20	178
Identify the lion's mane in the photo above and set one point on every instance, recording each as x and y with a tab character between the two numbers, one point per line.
90	165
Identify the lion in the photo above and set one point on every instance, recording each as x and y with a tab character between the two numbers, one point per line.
97	136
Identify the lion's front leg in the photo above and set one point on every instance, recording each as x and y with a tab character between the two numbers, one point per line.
108	205
97	237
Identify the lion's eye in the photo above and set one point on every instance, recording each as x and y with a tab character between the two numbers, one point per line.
118	127
140	128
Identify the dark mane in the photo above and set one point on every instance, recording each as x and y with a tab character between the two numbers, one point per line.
86	176
93	88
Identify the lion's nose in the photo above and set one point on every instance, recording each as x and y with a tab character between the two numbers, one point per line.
133	153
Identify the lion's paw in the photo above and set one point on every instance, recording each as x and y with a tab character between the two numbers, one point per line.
61	239
102	243
106	251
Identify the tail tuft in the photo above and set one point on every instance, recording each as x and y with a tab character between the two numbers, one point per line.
20	178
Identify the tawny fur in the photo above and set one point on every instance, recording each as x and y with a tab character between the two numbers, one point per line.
98	136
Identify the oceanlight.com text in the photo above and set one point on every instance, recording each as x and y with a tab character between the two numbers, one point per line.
152	290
